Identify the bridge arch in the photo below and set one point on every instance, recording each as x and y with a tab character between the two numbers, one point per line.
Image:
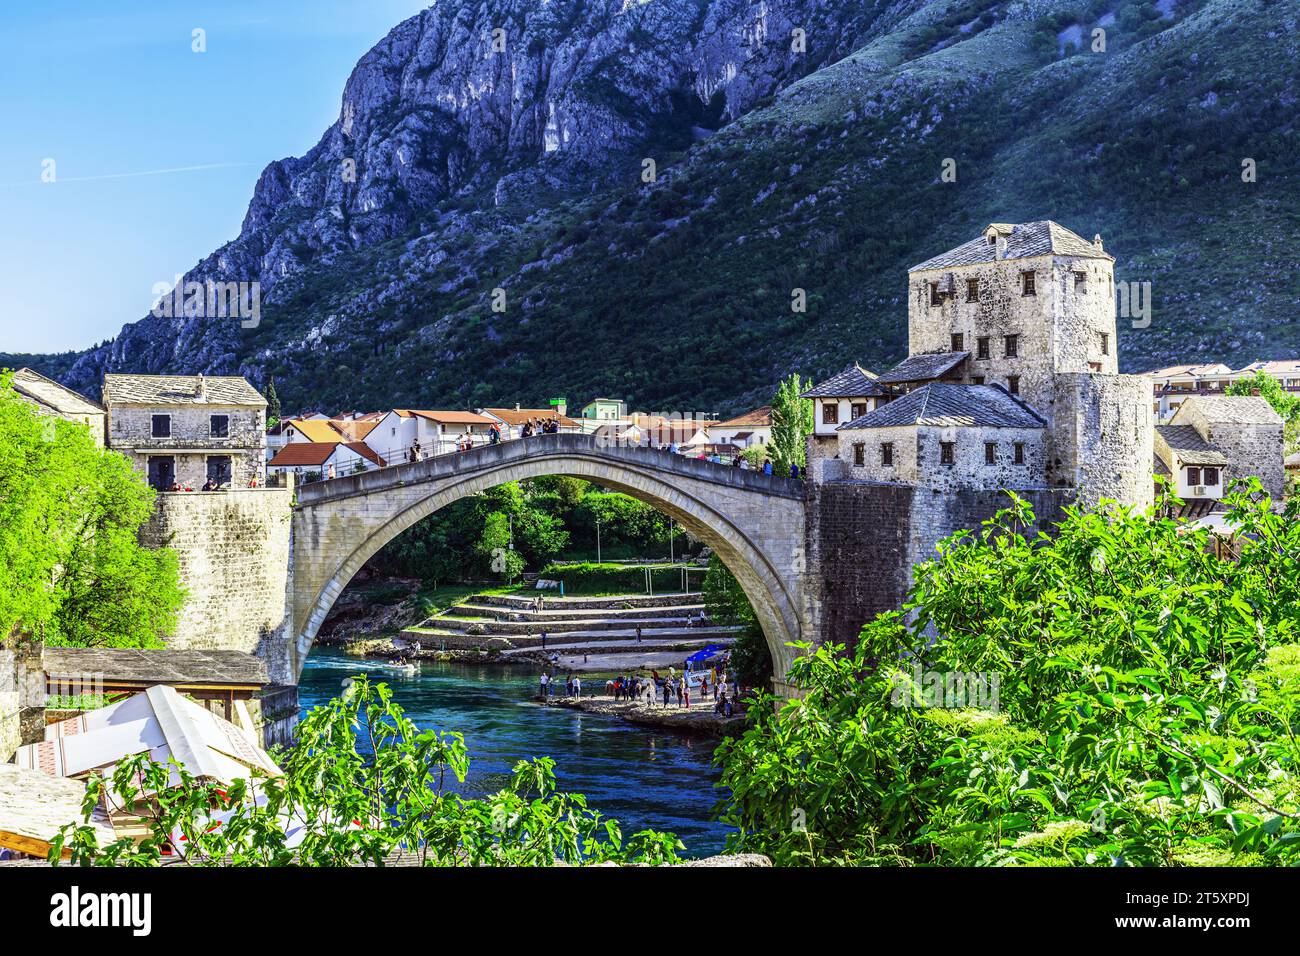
753	522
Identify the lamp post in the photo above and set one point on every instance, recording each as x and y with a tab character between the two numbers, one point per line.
598	541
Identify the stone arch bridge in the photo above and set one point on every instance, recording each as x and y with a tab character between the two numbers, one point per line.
754	522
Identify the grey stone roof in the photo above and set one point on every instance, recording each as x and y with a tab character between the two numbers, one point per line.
1024	241
1159	467
157	666
1293	461
180	390
923	368
53	395
1235	409
946	404
852	382
1186	442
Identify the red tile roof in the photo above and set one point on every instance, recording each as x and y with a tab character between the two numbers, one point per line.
315	453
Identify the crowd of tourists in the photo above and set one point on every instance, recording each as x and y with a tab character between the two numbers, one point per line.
672	689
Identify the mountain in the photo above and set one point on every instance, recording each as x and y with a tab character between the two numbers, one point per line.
481	225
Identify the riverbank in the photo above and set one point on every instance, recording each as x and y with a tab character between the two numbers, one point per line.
698	720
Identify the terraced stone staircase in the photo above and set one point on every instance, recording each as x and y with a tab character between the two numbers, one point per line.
574	626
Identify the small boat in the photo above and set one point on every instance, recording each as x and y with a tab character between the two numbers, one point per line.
406	670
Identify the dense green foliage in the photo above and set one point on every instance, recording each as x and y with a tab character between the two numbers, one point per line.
751	659
523	526
72	570
365	784
590	578
1129	699
792	423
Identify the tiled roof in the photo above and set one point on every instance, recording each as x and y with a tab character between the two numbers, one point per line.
157	665
53	395
180	390
1293	461
946	404
1159	467
519	416
446	418
1190	371
1278	368
316	430
1233	409
355	429
923	368
1024	241
852	382
307	453
1188	445
758	418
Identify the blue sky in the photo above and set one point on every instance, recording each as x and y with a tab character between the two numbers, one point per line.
112	92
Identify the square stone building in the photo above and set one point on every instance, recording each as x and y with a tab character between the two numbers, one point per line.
188	430
1012	380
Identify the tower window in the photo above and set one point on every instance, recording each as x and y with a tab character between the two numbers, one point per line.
859	454
830	413
1211	476
1013	384
161	426
935	297
219	426
972	290
982	347
1027	283
1081	283
946	456
1019	453
977	380
990	453
1193	476
1105	343
1011	345
958	342
887	454
858	409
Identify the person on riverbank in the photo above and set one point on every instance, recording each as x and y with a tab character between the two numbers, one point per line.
683	693
545	679
666	688
577	686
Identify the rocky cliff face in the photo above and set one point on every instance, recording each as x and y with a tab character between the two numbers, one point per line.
503	101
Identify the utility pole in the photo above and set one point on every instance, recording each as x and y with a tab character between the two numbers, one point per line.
598	541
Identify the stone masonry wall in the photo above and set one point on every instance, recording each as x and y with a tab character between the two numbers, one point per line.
1252	449
1059	328
130	428
1103	439
234	551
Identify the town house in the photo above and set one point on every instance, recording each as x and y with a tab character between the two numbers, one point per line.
188	430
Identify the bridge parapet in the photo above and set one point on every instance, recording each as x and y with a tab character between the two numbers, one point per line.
505	454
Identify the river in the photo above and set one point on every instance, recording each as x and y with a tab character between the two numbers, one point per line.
642	777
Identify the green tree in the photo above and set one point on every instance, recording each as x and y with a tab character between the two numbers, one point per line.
1111	694
792	423
72	570
272	403
366	785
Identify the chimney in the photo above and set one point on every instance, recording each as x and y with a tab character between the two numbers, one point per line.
1096	241
1001	247
561	407
1255	392
203	389
517	406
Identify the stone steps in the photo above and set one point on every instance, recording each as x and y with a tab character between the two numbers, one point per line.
464	625
518	602
658	639
550	613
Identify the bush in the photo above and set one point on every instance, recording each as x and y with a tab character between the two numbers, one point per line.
1114	694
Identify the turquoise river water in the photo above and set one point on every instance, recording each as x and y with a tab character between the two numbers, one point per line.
640	776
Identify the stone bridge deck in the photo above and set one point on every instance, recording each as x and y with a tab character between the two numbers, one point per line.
493	457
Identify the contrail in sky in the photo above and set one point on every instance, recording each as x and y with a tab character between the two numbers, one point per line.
146	172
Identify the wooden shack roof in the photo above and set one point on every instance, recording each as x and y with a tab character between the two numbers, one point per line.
133	668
